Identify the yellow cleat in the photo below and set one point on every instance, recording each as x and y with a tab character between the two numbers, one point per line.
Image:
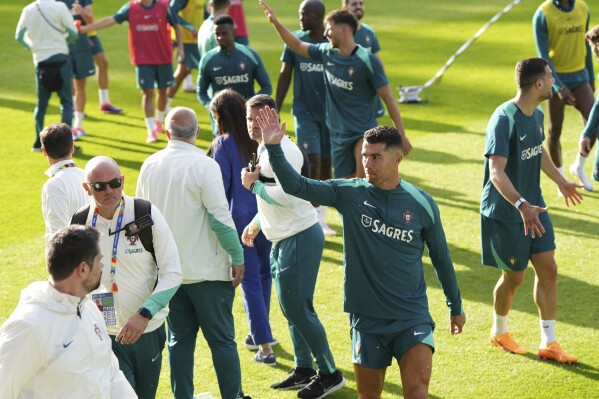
554	351
508	344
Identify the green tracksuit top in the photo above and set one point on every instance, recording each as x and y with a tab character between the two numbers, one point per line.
384	233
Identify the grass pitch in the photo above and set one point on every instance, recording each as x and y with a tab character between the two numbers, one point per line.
448	137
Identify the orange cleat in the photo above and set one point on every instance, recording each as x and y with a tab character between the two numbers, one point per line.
508	344
554	351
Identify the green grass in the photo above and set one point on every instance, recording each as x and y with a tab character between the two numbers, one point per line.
448	137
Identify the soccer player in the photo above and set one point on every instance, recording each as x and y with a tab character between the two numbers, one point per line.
387	222
354	78
365	37
45	37
308	108
559	28
151	52
515	225
230	65
61	195
191	15
206	38
54	344
101	64
297	240
587	136
82	63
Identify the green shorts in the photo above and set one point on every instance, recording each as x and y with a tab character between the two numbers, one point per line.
505	246
82	64
574	80
154	76
342	152
376	351
96	45
313	137
192	55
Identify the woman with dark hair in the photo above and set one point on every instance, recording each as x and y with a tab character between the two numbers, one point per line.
232	149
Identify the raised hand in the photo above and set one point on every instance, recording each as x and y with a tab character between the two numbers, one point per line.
268	12
272	132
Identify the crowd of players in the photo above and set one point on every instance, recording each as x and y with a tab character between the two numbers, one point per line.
269	222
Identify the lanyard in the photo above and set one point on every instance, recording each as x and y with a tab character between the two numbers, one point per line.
66	165
115	243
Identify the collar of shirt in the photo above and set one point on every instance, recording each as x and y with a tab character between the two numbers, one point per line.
181	145
50	171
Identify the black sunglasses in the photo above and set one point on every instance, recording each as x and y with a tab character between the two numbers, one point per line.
117	182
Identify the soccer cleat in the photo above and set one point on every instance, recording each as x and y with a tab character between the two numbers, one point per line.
582	177
322	385
152	138
249	343
79	131
158	128
297	378
506	342
189	89
554	351
108	108
37	146
268	360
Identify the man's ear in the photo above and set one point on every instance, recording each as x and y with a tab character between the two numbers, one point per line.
168	134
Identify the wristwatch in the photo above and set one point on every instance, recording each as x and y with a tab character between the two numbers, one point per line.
145	313
519	202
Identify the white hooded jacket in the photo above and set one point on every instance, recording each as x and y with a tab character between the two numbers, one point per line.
55	345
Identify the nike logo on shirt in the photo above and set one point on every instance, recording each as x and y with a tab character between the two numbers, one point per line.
217	68
65	345
523	137
367	204
419	332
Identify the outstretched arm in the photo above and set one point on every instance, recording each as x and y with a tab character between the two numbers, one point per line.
293	42
101	24
387	96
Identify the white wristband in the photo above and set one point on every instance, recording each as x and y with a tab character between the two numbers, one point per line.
519	202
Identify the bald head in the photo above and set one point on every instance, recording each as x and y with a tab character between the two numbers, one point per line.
98	167
182	124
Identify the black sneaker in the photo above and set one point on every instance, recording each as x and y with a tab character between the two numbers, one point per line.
322	385
297	378
37	146
249	343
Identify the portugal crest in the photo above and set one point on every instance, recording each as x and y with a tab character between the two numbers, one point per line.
512	260
351	71
366	221
408	216
242	66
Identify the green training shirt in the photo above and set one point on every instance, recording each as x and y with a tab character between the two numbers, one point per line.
384	234
519	138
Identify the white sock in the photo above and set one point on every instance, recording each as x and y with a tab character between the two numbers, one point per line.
104	98
499	324
169	100
547	332
187	82
579	162
149	124
75	103
160	115
78	120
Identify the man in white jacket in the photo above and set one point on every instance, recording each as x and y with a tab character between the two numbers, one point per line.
187	187
55	344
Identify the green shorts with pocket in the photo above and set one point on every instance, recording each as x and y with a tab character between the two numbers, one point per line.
82	64
96	45
313	137
154	76
505	246
342	152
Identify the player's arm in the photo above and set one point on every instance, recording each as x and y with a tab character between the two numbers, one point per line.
220	219
20	33
434	237
56	214
588	61
68	23
86	12
283	83
262	77
119	386
105	22
568	189
584	145
178	5
289	38
293	183
21	356
203	83
174	20
541	36
387	97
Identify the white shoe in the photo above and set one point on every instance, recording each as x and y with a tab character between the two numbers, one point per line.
203	395
582	177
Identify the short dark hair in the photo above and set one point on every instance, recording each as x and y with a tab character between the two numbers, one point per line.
57	140
343	17
261	101
387	135
593	34
220	4
70	246
224	20
528	71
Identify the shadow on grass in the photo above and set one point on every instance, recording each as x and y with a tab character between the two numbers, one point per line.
128	163
582	369
430	126
477	284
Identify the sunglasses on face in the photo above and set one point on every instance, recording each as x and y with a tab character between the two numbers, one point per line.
117	182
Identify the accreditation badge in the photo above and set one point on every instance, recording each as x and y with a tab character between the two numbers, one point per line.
105	302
